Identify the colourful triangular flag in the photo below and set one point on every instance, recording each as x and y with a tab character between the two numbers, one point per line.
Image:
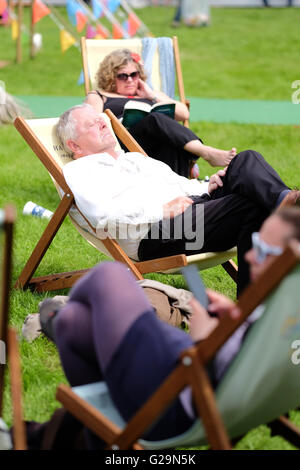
133	24
3	6
80	80
14	29
117	32
66	40
5	16
72	8
97	8
90	32
81	20
101	32
112	5
39	10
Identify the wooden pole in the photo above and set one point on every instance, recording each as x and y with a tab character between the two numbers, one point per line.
31	45
5	287
19	431
19	38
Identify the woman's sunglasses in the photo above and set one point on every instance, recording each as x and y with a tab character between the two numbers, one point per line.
124	76
263	249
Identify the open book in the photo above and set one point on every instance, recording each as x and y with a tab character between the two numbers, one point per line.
134	111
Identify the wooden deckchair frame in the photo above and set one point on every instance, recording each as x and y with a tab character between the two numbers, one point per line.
177	62
190	371
67	279
9	336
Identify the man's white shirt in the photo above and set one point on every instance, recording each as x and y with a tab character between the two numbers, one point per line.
123	196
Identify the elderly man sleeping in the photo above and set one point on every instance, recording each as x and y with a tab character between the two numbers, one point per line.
152	211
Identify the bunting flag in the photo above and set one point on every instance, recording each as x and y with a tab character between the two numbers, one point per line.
39	10
3	6
72	8
133	24
80	80
66	40
81	20
97	8
112	5
90	32
101	32
5	16
14	29
117	32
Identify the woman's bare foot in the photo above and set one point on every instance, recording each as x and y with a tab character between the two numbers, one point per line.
216	157
213	156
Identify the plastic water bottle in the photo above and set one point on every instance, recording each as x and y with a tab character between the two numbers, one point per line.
31	208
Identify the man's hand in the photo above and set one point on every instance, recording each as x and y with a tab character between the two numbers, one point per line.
176	207
215	180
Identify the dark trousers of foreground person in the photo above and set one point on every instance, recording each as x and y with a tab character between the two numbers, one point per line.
251	190
109	330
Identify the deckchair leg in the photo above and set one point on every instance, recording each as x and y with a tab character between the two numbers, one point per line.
285	428
45	241
232	269
205	402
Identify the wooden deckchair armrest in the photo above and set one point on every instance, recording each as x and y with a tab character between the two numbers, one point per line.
123	134
253	295
161	264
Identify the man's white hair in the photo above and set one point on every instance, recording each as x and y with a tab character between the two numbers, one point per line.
66	126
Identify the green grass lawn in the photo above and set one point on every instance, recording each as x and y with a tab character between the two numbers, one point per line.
249	54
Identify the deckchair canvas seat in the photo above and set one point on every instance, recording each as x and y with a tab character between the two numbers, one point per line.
261	384
40	134
95	50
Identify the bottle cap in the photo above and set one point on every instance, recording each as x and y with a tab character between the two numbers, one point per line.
28	207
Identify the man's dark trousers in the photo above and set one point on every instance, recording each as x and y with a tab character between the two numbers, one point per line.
250	191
